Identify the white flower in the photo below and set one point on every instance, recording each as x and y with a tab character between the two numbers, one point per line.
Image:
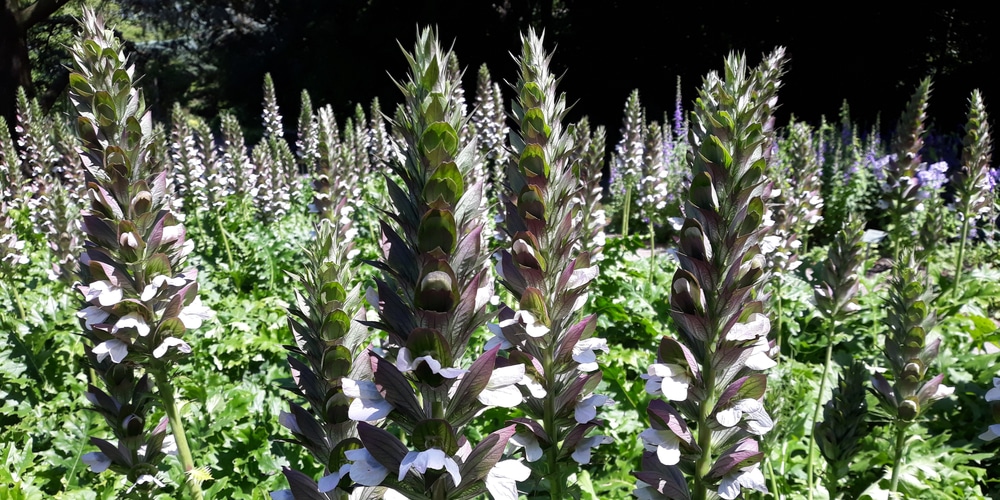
193	314
132	320
502	479
498	338
431	458
582	452
128	240
169	342
92	315
757	420
98	462
581	277
645	491
156	283
583	353
943	391
368	404
665	443
994	393
365	470
531	325
760	357
757	326
171	233
748	477
586	410
528	441
405	363
282	495
114	348
992	432
330	481
105	293
501	390
668	379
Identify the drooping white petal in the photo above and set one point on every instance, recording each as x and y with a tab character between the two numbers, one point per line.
169	342
583	353
502	479
105	293
582	452
757	326
132	320
365	470
760	357
665	443
93	315
98	462
368	404
193	314
581	277
282	495
748	477
528	441
586	410
667	379
114	348
330	481
992	432
501	390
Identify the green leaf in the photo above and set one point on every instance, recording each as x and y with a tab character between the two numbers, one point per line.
533	163
437	230
446	184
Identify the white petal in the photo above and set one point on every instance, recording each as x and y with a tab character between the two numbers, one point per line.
993	394
452	467
581	277
757	326
330	481
582	452
504	397
132	320
194	313
114	348
527	440
502	479
93	315
992	432
98	462
365	470
943	391
282	495
505	376
169	342
728	487
760	358
729	417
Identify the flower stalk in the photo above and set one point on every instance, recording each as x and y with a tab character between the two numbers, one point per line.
709	373
972	191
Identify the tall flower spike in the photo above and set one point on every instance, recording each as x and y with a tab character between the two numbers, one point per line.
910	354
797	178
588	163
972	189
138	298
710	371
433	294
548	275
328	339
844	425
902	183
628	159
235	162
489	122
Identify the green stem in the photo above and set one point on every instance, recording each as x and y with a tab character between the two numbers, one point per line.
549	424
229	253
819	405
628	203
20	305
778	316
704	464
774	480
898	462
652	256
166	391
960	260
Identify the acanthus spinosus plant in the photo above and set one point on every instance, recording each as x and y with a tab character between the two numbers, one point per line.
587	159
139	299
328	340
707	424
972	183
433	294
548	276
